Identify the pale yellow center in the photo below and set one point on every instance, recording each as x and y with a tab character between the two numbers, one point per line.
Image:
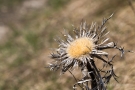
79	47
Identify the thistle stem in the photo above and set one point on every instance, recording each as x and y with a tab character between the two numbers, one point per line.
92	75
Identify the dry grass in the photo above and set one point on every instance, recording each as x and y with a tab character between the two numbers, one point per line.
24	54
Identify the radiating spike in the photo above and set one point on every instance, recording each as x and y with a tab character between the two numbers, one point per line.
98	52
76	31
70	38
81	28
92	25
68	63
93	36
105	34
110	44
95	29
65	33
84	25
54	55
104	41
102	31
106	46
62	44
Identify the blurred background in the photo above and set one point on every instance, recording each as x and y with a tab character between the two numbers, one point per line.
28	29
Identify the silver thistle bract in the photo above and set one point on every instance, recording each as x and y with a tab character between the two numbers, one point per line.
88	43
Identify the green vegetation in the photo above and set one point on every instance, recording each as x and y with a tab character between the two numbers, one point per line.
56	4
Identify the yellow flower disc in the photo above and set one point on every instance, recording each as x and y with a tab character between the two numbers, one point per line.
79	47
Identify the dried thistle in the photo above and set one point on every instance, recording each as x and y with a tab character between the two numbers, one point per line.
88	44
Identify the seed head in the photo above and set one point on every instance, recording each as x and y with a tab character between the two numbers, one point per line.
89	43
79	47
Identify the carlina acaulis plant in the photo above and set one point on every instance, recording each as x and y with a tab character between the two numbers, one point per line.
81	50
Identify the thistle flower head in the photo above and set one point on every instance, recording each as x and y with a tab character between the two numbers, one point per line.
87	44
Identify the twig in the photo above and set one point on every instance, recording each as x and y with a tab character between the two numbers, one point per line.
74	77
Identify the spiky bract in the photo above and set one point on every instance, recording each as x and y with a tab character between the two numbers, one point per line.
87	44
